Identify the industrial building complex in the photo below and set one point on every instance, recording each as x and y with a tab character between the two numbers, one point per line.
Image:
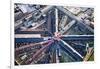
45	34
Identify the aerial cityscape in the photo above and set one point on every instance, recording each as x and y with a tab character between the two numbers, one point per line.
46	34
